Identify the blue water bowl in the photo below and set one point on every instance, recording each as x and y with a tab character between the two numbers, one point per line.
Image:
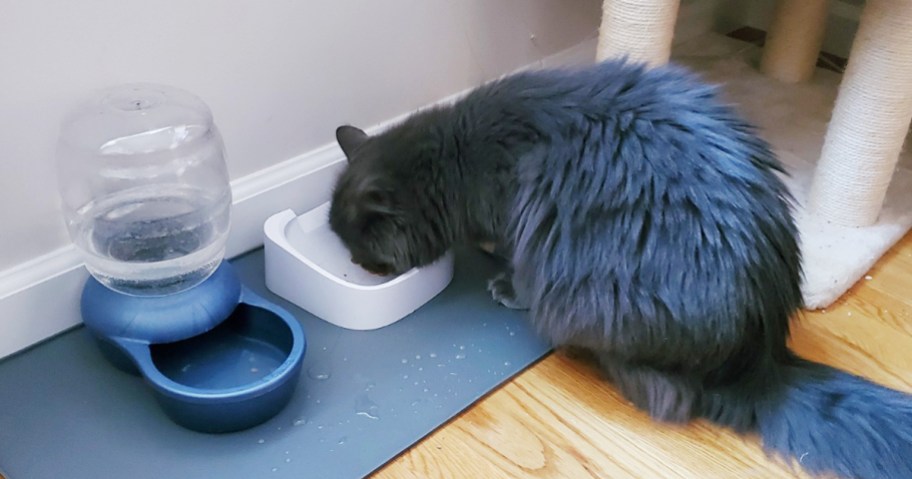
218	357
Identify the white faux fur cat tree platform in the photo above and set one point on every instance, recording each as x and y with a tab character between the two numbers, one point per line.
855	203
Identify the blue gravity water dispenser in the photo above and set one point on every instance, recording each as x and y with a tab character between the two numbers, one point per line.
146	198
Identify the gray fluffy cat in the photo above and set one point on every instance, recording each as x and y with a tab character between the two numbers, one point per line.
642	220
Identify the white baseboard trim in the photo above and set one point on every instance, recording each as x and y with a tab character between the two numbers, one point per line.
40	298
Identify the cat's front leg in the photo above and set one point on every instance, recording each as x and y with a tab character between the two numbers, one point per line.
504	291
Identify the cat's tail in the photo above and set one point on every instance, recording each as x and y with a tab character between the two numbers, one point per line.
829	420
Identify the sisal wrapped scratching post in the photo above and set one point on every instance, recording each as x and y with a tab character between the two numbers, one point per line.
794	40
640	29
870	118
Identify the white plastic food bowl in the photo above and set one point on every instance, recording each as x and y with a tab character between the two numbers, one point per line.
307	264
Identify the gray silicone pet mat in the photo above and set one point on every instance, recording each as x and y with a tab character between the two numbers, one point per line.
364	396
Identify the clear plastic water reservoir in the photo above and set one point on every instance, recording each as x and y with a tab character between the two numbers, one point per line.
145	189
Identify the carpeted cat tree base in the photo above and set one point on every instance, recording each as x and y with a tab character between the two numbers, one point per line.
794	119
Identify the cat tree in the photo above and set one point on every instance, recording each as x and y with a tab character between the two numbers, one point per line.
641	29
867	128
870	119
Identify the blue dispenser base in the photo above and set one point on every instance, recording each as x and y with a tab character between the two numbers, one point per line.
161	319
218	357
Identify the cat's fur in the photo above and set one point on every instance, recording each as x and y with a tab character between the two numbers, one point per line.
642	220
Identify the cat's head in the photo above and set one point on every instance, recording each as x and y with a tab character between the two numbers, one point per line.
378	207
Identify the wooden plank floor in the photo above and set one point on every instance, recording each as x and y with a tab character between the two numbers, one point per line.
558	419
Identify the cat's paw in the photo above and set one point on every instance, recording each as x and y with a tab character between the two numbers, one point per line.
501	289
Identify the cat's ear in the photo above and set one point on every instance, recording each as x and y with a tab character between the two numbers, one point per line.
350	138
